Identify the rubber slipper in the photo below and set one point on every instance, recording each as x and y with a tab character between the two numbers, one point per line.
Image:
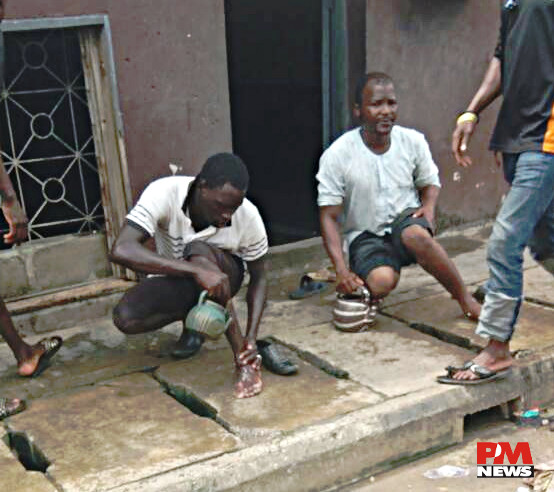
308	287
483	374
51	346
6	410
274	359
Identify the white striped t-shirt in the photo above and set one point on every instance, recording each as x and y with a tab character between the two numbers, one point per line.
159	212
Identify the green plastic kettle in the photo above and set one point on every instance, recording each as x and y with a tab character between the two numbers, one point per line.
208	318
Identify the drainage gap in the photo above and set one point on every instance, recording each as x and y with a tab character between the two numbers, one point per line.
497	416
446	336
188	399
30	456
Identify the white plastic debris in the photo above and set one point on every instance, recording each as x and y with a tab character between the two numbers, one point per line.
447	471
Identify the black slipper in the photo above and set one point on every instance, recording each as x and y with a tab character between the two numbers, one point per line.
308	287
6	411
188	345
51	346
483	374
274	360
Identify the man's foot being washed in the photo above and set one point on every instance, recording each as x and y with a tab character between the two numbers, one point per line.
248	372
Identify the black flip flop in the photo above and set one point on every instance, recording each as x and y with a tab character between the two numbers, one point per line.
308	287
6	412
51	346
483	374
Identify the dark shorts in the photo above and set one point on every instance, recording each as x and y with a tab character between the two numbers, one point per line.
369	251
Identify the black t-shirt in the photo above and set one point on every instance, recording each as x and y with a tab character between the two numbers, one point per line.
526	51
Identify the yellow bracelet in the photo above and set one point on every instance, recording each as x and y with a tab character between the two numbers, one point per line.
466	117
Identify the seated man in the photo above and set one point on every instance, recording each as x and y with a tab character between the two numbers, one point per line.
382	181
204	229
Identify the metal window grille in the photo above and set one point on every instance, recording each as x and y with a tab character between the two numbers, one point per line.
46	134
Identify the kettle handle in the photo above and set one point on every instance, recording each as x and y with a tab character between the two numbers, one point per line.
202	298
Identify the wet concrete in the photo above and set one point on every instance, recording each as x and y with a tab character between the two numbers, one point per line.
286	403
390	358
128	429
15	477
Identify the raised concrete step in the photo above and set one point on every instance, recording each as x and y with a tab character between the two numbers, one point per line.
58	309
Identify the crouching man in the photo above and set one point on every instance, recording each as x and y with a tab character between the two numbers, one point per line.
379	182
205	232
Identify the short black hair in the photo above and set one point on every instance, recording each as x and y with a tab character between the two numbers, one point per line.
224	168
379	78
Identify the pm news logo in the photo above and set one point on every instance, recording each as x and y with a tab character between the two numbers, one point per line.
502	452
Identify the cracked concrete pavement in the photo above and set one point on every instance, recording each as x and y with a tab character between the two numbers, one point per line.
117	413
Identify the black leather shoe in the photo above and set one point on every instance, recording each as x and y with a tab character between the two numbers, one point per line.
274	359
188	344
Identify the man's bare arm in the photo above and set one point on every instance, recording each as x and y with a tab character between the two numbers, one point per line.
129	251
329	216
488	91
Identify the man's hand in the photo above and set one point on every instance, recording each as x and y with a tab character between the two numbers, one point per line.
428	212
348	282
17	220
460	140
216	283
249	355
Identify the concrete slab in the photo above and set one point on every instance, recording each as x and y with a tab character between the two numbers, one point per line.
442	315
391	358
13	475
286	403
117	433
91	353
538	286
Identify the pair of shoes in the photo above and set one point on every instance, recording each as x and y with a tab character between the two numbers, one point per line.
274	360
11	406
50	346
308	287
483	374
188	344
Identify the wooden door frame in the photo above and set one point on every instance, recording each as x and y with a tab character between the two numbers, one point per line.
105	113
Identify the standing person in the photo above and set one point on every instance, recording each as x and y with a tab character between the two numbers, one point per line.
522	70
205	230
381	181
31	359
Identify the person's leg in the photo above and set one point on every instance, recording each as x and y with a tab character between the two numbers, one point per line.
381	281
433	258
27	356
527	201
542	242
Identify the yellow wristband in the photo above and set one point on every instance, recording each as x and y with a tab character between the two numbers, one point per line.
466	117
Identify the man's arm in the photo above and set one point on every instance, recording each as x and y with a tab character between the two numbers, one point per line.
488	91
14	214
347	281
256	296
129	251
428	196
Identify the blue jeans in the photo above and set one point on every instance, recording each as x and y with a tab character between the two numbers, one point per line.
526	218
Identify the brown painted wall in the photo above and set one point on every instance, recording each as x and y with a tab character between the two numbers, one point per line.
437	52
171	67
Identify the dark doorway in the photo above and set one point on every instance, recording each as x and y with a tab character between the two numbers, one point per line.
274	54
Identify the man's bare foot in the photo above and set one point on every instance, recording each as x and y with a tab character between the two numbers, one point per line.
38	358
470	307
28	366
249	381
495	357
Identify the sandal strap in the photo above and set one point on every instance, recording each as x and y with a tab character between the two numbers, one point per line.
50	343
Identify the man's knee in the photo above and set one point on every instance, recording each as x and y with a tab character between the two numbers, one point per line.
200	249
382	280
123	319
416	238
